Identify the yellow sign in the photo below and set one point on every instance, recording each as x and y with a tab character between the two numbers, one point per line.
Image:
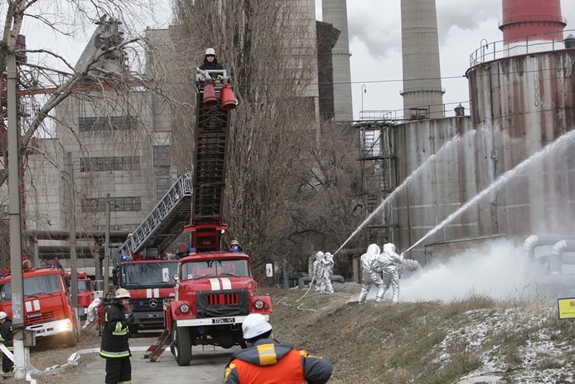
566	308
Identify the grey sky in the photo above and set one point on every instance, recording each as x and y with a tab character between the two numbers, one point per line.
375	44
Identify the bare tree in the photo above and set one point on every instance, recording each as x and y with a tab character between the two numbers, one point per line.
327	207
269	48
66	18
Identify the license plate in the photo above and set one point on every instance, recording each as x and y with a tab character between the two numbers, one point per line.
225	320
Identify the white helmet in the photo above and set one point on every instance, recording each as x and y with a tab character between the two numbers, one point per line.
210	51
3	315
255	325
122	293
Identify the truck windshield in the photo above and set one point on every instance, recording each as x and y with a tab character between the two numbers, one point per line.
149	274
197	269
33	286
84	286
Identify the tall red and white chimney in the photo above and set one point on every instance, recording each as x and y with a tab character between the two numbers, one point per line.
532	20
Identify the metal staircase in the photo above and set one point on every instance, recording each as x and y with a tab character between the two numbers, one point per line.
377	157
166	221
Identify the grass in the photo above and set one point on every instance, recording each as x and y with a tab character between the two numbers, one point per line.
427	342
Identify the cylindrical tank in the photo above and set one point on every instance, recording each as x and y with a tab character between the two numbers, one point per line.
229	101
528	20
210	98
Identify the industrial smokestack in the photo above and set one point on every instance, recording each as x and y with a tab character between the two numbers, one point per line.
422	92
532	21
335	13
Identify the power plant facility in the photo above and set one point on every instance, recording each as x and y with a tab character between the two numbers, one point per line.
506	171
432	183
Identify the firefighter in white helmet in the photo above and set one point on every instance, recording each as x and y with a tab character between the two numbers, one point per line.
115	347
6	338
210	61
266	361
370	273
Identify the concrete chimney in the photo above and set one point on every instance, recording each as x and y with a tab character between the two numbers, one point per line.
532	20
334	12
422	92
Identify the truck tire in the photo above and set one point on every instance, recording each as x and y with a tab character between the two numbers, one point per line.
182	345
72	338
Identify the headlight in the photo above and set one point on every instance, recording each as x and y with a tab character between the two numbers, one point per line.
185	308
259	304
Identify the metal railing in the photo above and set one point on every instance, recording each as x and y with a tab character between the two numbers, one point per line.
459	108
489	51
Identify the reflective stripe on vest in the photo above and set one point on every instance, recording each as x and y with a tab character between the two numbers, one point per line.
115	355
287	370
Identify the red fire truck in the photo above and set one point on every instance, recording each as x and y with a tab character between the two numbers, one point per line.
150	281
214	290
47	302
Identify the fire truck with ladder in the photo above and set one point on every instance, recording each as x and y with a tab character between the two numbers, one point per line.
214	290
47	301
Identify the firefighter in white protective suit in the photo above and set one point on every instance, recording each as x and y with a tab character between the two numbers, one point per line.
315	272
92	315
390	263
324	273
370	273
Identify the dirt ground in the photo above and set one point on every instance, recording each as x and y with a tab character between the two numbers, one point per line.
49	355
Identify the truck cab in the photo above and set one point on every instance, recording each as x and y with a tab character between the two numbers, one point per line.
215	292
47	304
149	281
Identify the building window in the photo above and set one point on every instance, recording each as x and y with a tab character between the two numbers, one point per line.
162	156
95	164
115	123
117	204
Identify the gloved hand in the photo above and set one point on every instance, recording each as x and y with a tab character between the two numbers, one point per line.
130	319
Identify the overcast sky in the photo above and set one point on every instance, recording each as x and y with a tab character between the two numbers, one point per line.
375	45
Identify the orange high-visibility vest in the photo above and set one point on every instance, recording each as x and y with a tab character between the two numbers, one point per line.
288	370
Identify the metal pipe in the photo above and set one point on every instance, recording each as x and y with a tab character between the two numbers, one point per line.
535	241
556	258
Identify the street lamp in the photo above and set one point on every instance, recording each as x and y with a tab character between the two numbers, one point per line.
363	90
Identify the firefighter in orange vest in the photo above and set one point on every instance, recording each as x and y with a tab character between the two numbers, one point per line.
265	361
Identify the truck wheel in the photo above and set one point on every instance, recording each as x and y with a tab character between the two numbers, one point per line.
173	344
182	345
72	338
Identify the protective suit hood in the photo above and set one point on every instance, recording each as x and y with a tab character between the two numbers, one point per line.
389	248
373	249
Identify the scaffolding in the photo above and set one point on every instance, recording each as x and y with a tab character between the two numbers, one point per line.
378	176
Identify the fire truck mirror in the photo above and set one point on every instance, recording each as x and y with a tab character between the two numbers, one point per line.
176	277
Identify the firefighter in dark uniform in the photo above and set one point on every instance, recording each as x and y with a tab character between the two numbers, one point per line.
115	347
6	338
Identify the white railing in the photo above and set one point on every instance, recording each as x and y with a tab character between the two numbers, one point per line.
489	51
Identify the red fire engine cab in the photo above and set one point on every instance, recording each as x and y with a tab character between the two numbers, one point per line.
47	302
